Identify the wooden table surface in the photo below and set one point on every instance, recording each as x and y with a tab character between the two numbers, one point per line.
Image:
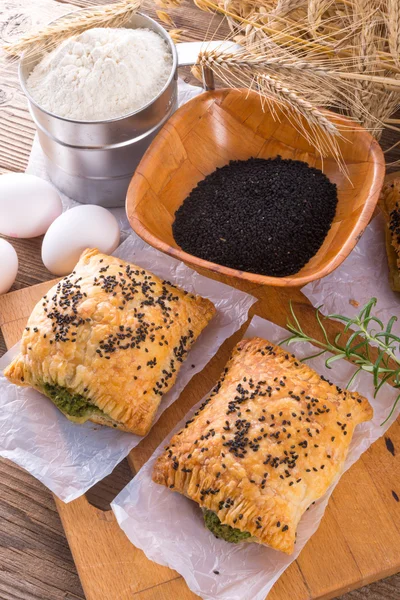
35	560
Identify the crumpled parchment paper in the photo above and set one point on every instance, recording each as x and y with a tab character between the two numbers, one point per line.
169	527
70	458
363	275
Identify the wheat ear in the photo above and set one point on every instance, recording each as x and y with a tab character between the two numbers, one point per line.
285	6
315	11
109	15
393	25
168	3
311	122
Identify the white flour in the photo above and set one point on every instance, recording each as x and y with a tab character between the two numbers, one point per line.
101	74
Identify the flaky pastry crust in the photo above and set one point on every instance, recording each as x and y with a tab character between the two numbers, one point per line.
114	334
269	441
389	202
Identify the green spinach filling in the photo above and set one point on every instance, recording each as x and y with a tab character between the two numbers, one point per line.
225	532
73	405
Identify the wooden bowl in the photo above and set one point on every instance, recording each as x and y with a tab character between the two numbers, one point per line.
216	127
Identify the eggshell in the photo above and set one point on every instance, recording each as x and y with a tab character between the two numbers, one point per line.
75	230
8	266
28	205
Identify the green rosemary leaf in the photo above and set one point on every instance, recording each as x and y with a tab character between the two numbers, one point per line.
348	326
388	336
313	355
392	410
339	318
389	326
332	359
376	368
294	316
292	340
337	338
318	315
362	343
352	378
382	381
350	341
366	309
368	368
375	320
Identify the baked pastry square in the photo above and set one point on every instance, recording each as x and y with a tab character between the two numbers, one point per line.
107	342
269	441
389	202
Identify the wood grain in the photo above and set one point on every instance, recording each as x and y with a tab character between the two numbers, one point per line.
35	560
357	542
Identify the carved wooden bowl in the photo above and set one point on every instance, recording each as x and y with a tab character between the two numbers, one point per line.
216	127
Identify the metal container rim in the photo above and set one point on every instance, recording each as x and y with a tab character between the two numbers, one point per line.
114	119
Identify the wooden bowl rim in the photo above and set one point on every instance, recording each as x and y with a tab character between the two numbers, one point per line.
376	158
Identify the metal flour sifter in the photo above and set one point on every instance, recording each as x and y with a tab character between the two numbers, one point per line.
93	161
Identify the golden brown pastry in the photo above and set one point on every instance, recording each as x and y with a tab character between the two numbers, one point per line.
107	342
268	442
390	204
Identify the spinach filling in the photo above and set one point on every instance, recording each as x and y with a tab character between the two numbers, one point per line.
225	532
72	405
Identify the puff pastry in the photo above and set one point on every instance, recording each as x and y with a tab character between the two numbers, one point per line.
389	202
107	342
268	442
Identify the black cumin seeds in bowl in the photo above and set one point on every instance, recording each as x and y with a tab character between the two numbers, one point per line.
262	216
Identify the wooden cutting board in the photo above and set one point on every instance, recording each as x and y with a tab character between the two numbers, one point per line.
359	538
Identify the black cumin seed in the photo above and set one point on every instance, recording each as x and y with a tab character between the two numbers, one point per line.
390	446
395	496
285	205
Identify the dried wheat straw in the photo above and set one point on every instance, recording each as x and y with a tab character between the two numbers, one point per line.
290	37
165	18
109	15
393	25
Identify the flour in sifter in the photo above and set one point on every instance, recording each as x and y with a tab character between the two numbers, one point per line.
101	74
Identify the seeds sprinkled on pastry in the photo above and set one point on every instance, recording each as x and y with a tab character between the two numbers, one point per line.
257	474
107	342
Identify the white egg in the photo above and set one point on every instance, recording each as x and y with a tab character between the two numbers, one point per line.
71	233
28	205
8	266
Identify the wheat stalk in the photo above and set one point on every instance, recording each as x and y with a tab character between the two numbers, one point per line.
109	15
285	6
366	49
177	35
237	16
333	42
165	18
393	25
319	130
312	122
386	105
168	3
316	9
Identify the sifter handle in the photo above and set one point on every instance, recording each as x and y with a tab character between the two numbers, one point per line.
189	51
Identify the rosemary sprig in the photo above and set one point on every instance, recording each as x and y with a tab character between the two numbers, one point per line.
366	331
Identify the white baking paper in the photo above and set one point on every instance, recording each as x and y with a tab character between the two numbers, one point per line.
70	458
363	275
169	527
